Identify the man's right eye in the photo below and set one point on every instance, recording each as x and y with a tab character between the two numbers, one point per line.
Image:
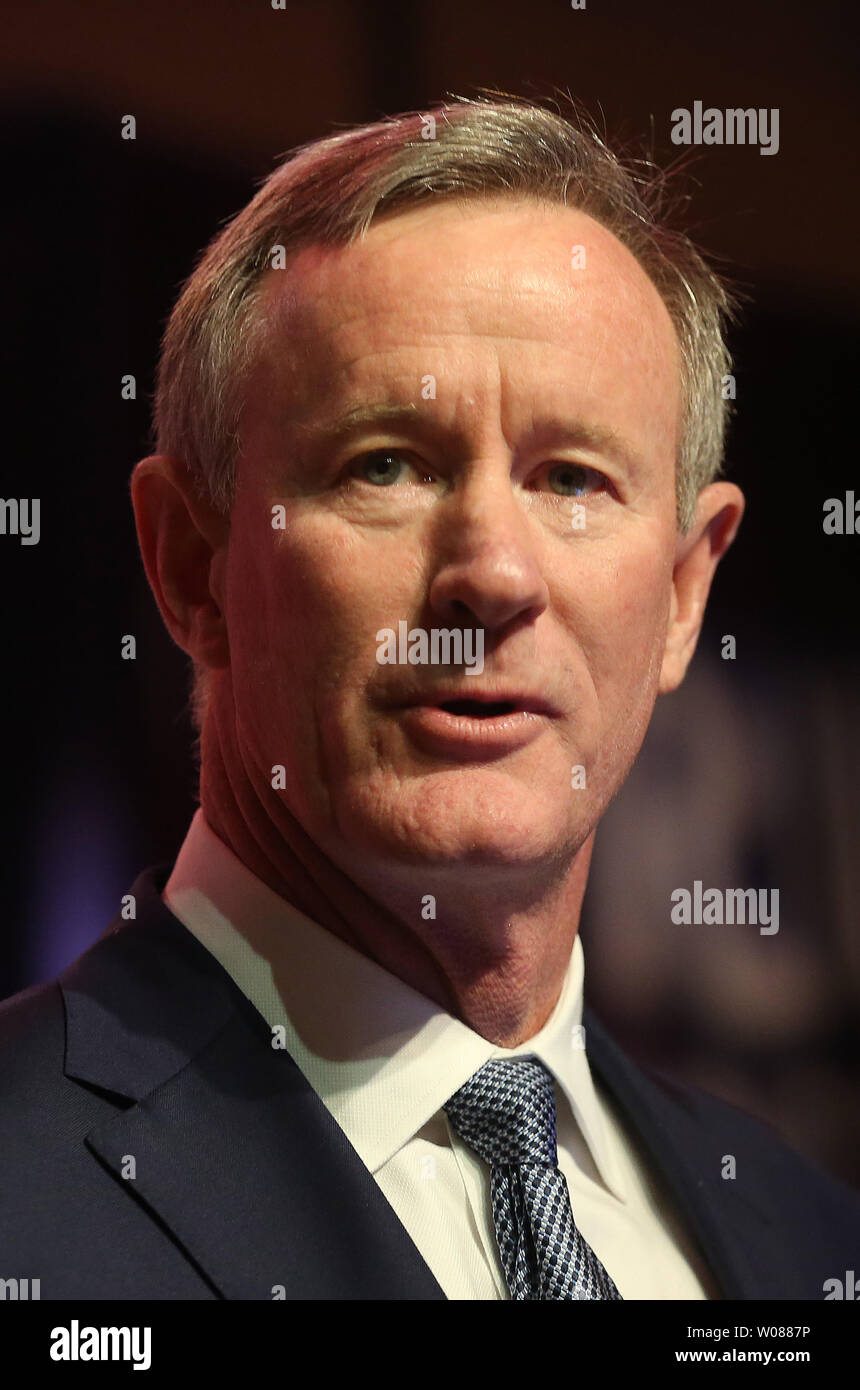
385	467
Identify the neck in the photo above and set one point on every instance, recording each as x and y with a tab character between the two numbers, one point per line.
498	959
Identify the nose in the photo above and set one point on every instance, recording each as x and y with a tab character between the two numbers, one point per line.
489	574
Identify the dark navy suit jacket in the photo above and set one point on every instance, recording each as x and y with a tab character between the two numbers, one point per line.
145	1057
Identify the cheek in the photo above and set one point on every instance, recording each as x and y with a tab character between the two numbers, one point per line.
308	602
624	628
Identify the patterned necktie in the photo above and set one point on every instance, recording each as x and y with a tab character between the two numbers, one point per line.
506	1113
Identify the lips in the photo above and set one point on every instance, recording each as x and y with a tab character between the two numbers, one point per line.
469	703
482	725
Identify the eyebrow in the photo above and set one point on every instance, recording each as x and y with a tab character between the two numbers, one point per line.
363	416
601	438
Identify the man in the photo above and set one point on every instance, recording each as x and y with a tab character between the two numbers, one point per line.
434	511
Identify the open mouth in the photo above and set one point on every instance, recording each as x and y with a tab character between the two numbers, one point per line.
478	709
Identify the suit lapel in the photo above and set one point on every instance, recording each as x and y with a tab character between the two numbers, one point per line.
738	1241
233	1151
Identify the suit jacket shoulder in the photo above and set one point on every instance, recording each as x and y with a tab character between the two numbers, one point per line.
771	1216
153	1143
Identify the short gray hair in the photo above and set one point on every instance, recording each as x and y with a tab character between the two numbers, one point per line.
329	192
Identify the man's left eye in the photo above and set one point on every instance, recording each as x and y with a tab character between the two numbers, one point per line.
574	479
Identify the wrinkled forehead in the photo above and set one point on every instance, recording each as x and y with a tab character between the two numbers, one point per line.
541	284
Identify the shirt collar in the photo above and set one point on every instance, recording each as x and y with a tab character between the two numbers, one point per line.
382	1057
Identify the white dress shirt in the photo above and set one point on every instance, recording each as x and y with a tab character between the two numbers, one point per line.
384	1060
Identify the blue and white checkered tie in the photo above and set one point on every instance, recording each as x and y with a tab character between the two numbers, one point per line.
506	1113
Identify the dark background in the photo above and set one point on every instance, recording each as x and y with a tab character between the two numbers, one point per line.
750	773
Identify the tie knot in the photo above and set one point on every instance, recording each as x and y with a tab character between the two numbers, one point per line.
506	1112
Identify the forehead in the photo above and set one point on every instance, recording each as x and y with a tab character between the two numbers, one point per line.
482	289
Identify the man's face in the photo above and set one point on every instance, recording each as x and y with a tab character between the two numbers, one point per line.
524	486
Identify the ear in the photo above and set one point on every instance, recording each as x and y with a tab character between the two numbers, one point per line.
183	541
719	509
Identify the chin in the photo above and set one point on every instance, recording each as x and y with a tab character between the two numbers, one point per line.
450	819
